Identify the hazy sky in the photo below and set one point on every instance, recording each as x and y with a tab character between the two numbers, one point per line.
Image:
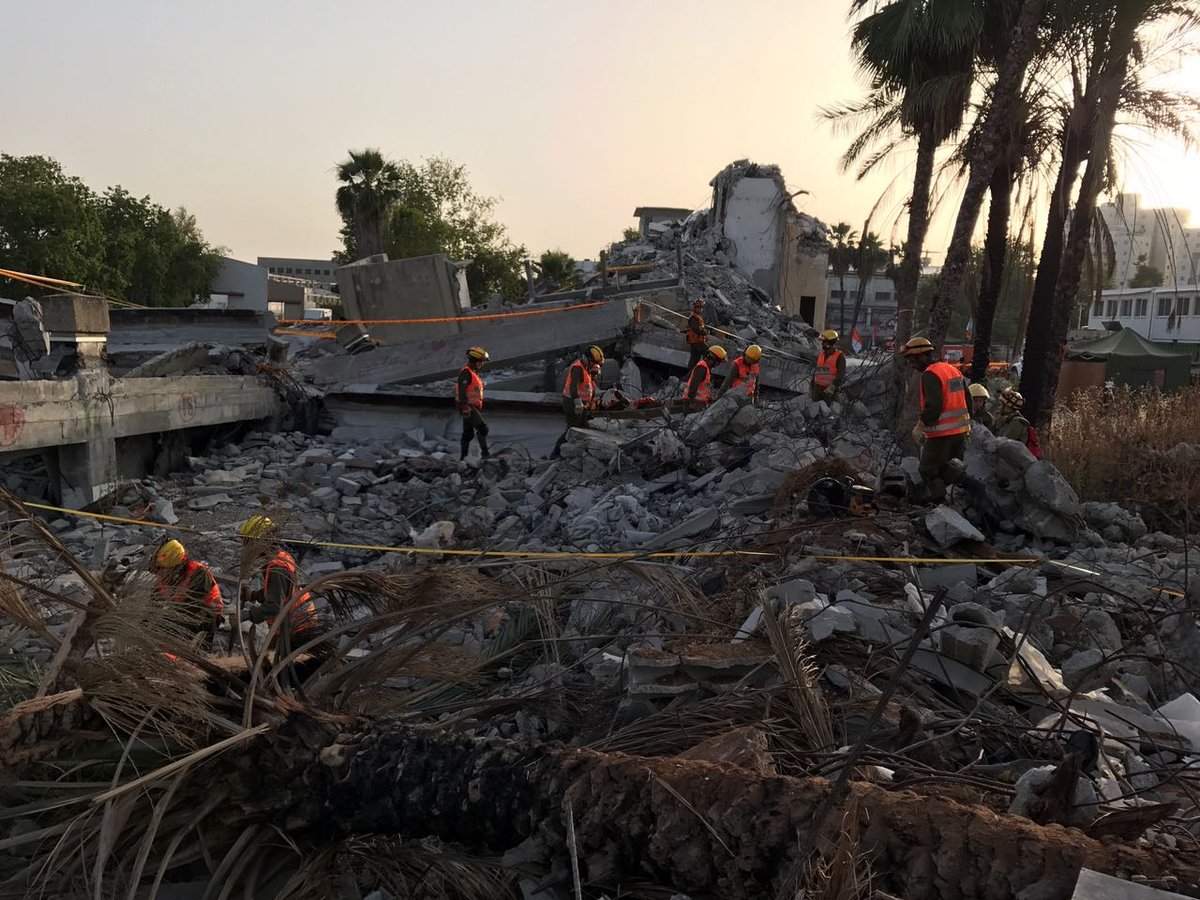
574	112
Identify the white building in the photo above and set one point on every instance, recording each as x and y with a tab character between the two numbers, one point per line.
1158	237
878	314
239	285
1163	315
318	272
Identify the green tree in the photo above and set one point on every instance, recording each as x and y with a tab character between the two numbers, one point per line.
841	259
49	221
370	188
870	258
1146	275
559	267
629	235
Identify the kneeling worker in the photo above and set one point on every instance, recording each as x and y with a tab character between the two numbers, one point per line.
831	369
468	392
699	391
187	581
743	373
280	591
944	418
979	401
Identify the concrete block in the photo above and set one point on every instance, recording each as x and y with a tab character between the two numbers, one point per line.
934	577
1097	886
799	590
348	486
695	524
75	313
971	637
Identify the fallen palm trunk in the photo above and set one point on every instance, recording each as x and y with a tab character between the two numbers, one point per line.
697	826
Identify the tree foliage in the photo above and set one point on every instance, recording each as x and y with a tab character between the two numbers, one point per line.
425	208
1146	275
558	266
129	247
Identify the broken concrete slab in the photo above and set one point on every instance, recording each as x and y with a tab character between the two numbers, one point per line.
696	524
1098	886
947	527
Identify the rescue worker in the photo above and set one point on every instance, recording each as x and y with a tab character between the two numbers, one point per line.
699	391
280	589
468	392
697	334
831	369
183	580
743	373
579	393
592	404
979	401
944	418
1010	423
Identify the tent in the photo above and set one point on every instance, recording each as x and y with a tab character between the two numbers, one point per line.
1130	359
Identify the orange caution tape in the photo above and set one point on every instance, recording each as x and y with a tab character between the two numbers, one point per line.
467	318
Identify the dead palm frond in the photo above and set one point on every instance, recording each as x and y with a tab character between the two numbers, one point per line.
805	707
844	872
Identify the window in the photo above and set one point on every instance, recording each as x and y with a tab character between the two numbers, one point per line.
1126	307
289	271
883	296
1140	308
1112	309
1098	308
1164	306
308	271
835	294
1183	306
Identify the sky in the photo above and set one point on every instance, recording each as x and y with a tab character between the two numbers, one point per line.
573	112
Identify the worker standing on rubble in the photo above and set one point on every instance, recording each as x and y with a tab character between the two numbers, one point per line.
944	418
831	369
979	401
699	391
280	589
743	373
468	392
188	581
579	394
697	335
1010	423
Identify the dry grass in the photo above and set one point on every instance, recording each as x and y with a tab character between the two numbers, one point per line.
795	487
1122	451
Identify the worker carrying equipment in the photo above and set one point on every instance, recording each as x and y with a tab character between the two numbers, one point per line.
830	371
699	391
188	581
979	400
697	334
944	418
468	393
743	373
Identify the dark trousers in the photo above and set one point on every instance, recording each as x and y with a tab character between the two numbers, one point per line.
695	354
474	426
574	420
937	469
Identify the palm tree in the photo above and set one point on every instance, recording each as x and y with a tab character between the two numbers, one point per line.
919	56
870	258
370	188
1020	44
1110	38
841	258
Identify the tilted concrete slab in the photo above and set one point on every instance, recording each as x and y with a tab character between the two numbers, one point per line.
37	414
509	341
138	334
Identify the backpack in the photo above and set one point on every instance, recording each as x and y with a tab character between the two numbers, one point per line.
1032	444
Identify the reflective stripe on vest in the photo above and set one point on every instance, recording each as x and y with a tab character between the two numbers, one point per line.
703	392
303	615
956	416
695	336
743	372
474	396
826	369
587	387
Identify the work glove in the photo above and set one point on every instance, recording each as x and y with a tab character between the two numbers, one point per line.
578	406
918	432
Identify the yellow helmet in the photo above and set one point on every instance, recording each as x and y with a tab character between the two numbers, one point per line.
478	353
829	335
917	346
978	390
594	353
170	555
753	353
257	527
718	351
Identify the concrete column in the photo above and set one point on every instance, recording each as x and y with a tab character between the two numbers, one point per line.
87	471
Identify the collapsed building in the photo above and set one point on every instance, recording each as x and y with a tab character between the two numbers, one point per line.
648	666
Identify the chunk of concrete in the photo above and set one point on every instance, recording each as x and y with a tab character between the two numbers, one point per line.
1086	671
948	527
971	637
695	524
1098	886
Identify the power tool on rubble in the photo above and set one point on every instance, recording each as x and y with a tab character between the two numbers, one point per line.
830	497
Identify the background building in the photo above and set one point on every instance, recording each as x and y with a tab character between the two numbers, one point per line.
318	271
1166	316
1158	237
878	314
239	285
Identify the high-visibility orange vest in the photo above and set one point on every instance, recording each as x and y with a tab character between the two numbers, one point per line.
826	370
744	373
695	330
587	387
956	414
302	611
474	393
178	592
703	392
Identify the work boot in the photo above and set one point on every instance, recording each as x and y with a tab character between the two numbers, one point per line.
466	448
483	448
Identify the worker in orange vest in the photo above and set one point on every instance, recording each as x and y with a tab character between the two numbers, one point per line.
579	387
831	369
743	373
944	417
468	393
188	581
699	391
280	591
697	334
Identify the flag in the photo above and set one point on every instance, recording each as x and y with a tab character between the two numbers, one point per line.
856	343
